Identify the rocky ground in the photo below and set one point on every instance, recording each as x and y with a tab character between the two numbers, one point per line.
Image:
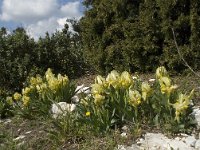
158	141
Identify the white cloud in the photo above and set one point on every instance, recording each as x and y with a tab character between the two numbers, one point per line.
41	27
25	11
40	16
71	9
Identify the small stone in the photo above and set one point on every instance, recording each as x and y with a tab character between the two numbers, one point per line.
28	132
121	147
7	121
124	128
19	138
134	77
20	144
75	99
184	135
152	80
124	134
140	141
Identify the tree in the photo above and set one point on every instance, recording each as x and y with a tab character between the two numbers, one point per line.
137	35
16	58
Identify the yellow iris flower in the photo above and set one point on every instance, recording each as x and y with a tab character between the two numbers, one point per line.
100	80
113	78
98	99
26	100
26	91
165	85
17	96
97	89
146	90
182	104
9	100
134	98
161	72
125	79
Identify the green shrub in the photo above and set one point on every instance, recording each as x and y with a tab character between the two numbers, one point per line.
138	36
6	108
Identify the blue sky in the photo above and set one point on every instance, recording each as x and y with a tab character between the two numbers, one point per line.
38	16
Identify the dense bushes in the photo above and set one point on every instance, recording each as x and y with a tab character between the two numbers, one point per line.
137	35
16	58
21	56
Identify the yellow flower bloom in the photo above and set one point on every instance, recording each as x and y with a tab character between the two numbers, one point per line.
25	100
87	113
126	79
182	104
161	72
146	90
26	91
97	89
9	100
134	98
99	80
17	96
98	99
49	74
36	81
53	84
165	85
113	78
41	88
65	80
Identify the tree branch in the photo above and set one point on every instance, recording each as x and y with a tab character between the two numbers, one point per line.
179	53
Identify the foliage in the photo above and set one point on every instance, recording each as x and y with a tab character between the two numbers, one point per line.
119	99
21	56
6	108
37	97
15	57
137	35
62	52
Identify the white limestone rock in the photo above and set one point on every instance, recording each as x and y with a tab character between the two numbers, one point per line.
121	147
156	141
123	134
196	113
190	140
197	145
61	108
82	89
75	99
152	80
7	121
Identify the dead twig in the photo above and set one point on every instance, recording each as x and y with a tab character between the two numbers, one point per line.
179	53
